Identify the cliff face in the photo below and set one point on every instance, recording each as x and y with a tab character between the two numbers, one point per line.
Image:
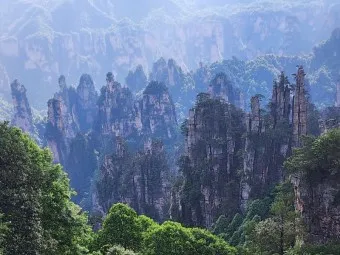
318	204
330	119
137	172
299	108
180	84
23	117
230	158
140	180
209	166
337	98
156	112
316	183
267	142
116	114
86	103
136	80
69	112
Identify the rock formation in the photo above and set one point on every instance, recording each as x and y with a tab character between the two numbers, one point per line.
254	123
318	204
116	114
267	143
168	73
299	108
156	112
281	101
55	131
337	100
209	166
180	84
23	117
69	112
221	87
136	80
86	103
140	180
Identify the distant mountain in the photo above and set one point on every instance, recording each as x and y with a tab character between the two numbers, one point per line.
42	39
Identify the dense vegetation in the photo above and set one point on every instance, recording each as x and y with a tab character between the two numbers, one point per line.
35	200
37	216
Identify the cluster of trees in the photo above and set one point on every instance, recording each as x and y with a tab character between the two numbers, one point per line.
269	226
38	216
124	228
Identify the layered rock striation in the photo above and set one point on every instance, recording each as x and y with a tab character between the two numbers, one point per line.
139	179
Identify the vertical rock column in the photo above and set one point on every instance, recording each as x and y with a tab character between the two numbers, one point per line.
299	108
22	111
254	124
337	102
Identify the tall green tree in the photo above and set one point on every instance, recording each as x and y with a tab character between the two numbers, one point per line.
20	194
121	227
35	200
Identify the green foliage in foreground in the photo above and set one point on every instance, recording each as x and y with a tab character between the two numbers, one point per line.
125	228
35	200
37	216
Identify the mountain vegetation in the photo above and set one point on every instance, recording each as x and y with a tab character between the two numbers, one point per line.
210	133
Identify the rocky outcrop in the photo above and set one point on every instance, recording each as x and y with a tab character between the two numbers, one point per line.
156	113
136	80
180	84
55	131
86	108
81	164
116	114
337	98
221	87
22	117
254	124
318	202
213	141
168	73
267	142
140	180
299	108
281	101
69	112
